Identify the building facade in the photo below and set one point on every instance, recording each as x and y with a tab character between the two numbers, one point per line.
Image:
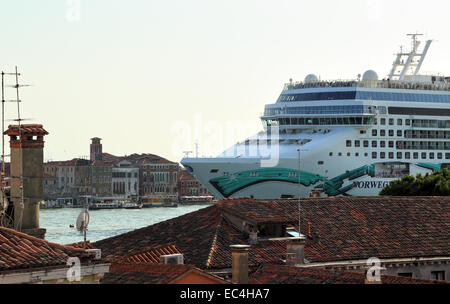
125	180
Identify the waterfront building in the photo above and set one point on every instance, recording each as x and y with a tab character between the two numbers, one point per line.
158	176
65	175
107	175
51	192
101	178
188	185
125	180
409	235
25	259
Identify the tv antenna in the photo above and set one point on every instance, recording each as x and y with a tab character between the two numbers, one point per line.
19	120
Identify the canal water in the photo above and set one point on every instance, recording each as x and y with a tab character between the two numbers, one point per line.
104	223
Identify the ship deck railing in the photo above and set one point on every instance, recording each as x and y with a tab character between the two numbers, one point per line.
381	84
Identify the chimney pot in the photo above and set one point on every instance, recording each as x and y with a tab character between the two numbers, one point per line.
253	237
239	254
295	251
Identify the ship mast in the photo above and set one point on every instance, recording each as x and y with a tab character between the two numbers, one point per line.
409	64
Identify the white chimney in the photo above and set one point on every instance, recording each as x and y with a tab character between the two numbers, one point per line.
295	251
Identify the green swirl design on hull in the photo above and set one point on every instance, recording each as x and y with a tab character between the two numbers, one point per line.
228	185
433	167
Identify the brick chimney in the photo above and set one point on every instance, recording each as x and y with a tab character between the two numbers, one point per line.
239	255
27	169
295	251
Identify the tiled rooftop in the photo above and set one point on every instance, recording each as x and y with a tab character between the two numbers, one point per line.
342	228
151	255
31	129
276	274
19	251
131	273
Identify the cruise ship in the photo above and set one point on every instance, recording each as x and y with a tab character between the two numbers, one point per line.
342	137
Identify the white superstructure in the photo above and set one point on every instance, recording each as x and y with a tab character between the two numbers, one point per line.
344	137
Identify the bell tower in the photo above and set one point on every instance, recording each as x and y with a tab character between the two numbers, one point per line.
96	149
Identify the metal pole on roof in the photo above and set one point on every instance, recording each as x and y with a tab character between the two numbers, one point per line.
299	191
3	141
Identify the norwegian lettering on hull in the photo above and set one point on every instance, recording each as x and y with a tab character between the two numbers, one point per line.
371	184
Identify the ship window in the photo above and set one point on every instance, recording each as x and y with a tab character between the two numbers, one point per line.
340	153
408	122
383	121
374	132
331	153
391	144
391	155
424	155
374	154
432	155
375	121
348	154
416	155
362	132
399	121
399	133
439	155
320	163
356	154
447	155
438	275
407	155
399	155
382	155
382	144
374	144
366	144
357	143
349	143
366	154
214	171
391	132
391	121
382	132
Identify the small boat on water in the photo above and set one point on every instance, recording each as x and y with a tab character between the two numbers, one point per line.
159	201
104	205
132	205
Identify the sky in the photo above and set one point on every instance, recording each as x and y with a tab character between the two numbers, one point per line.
158	76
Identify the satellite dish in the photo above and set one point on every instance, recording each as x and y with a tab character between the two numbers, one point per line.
83	221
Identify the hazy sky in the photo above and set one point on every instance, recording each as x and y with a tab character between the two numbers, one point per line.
138	72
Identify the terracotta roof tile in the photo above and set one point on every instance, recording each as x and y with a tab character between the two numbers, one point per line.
144	273
21	251
341	229
277	274
31	129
